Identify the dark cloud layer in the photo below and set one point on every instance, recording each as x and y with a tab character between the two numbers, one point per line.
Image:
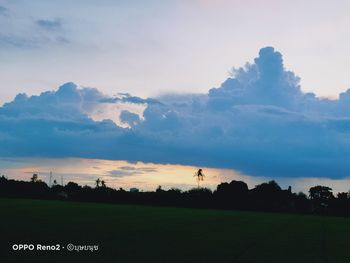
258	122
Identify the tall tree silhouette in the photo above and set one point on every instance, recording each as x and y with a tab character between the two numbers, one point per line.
199	176
103	183
98	181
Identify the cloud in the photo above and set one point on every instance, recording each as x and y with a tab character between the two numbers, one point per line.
49	24
3	10
131	171
258	122
130	118
126	97
27	32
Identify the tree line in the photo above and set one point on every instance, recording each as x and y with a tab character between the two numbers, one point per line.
269	196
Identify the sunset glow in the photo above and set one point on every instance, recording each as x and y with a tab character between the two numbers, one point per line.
144	176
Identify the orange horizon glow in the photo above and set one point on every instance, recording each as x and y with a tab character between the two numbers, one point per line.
144	176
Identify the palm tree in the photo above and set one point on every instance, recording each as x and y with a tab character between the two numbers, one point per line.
98	181
199	176
103	183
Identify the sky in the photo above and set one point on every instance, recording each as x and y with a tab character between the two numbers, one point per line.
148	48
256	89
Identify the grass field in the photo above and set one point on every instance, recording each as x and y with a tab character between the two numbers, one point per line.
156	234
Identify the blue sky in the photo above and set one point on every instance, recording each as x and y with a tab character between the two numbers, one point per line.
155	83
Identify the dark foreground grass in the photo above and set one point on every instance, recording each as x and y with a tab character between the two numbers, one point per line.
156	234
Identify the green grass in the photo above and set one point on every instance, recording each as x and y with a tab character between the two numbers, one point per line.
156	234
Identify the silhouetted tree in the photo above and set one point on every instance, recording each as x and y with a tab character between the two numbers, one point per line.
175	190
98	181
321	193
320	197
34	178
3	178
234	194
73	190
342	196
72	187
269	196
103	184
340	205
301	202
199	176
159	189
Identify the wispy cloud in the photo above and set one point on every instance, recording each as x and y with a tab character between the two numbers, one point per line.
19	31
3	10
49	25
131	171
